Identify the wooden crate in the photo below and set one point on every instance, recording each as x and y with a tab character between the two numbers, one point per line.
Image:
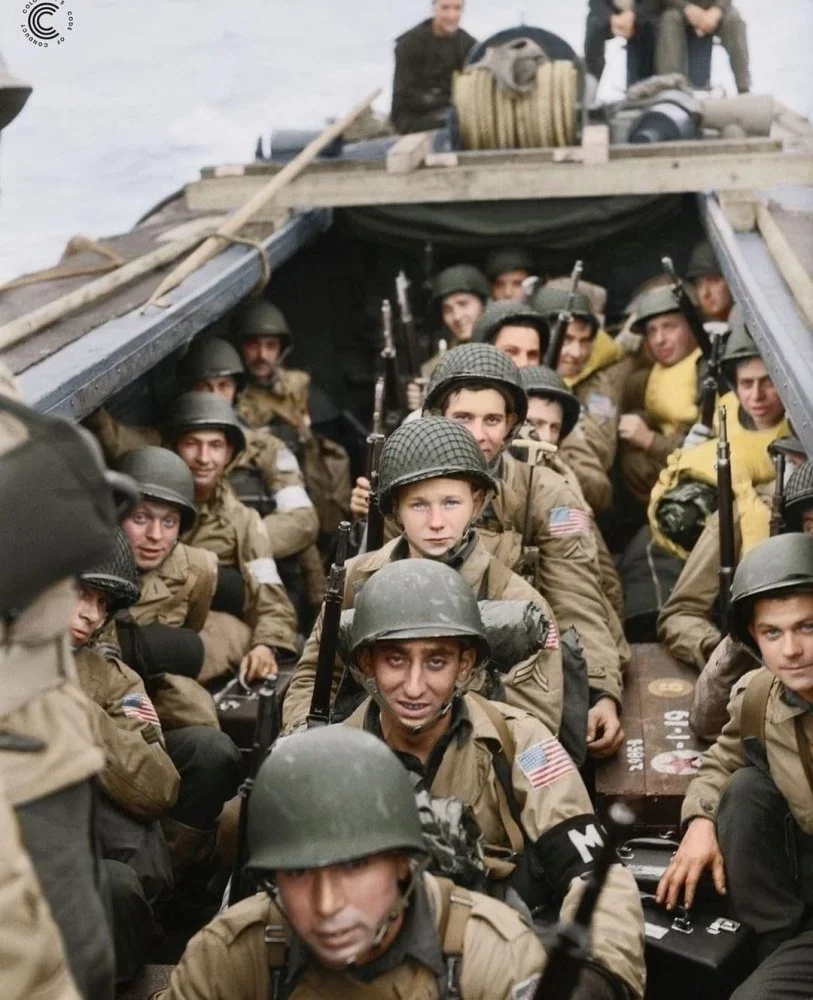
661	754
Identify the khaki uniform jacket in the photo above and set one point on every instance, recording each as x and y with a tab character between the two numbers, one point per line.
579	452
727	664
238	538
287	399
228	959
685	624
555	519
535	685
138	774
32	960
550	801
180	591
727	756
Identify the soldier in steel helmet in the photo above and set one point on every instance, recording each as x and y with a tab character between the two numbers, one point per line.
204	430
459	296
749	810
507	269
713	294
417	636
514	328
535	520
347	911
139	780
434	482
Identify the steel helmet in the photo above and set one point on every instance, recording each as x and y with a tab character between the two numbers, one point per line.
702	262
798	495
551	301
509	312
417	599
430	448
204	411
544	382
329	796
160	474
739	347
654	302
777	566
508	259
117	576
261	318
460	278
211	358
477	366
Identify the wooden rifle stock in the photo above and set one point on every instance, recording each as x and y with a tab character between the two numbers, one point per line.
570	950
408	324
688	308
319	714
375	519
778	498
725	513
557	337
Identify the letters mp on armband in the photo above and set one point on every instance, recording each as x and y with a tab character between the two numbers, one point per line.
139	706
569	521
265	571
544	763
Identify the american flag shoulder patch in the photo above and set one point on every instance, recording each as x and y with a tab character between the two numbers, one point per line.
545	762
569	521
139	706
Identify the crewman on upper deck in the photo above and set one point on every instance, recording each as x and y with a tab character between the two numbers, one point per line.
633	20
713	294
426	58
507	269
703	17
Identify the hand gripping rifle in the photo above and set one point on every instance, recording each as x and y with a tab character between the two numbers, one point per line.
778	499
266	731
688	308
374	537
408	324
319	714
393	409
557	337
570	950
725	513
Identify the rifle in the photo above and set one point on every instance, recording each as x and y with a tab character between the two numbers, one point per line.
688	308
319	714
725	511
557	337
407	324
570	950
375	519
778	499
378	406
393	406
266	731
709	386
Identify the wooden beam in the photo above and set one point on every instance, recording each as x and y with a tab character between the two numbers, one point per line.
408	153
790	267
523	179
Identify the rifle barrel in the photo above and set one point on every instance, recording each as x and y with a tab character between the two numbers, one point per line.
688	308
319	714
778	498
725	509
559	330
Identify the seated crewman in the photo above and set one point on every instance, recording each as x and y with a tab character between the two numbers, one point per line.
748	810
506	269
434	481
347	910
514	328
704	18
416	637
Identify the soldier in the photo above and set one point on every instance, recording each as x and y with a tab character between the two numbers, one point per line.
713	294
633	20
416	637
347	910
205	432
507	269
535	520
704	18
435	482
139	780
666	406
750	806
426	59
515	329
460	294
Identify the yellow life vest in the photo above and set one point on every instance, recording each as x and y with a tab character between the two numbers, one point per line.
670	399
605	352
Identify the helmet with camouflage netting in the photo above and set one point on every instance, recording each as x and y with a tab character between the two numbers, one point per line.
206	412
331	796
544	382
430	448
476	366
798	495
211	358
117	576
509	312
160	474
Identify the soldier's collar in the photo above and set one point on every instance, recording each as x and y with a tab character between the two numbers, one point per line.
795	700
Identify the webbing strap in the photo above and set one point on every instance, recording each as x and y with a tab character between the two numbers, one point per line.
804	750
754	706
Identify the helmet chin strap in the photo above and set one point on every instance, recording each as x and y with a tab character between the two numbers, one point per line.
372	690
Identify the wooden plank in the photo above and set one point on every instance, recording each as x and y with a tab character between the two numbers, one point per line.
511	181
791	268
740	209
408	153
596	144
660	753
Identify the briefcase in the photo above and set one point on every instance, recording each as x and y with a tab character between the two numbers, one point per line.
697	953
647	858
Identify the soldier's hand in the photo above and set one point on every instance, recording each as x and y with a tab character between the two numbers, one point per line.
360	499
604	733
635	429
698	850
258	664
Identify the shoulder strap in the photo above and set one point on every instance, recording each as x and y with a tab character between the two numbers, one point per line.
804	750
276	951
754	706
455	909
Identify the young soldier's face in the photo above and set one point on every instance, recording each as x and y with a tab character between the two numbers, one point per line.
521	344
509	285
713	296
669	338
207	453
782	627
436	514
337	911
446	16
485	414
221	385
757	394
460	312
417	677
152	528
261	356
546	417
576	348
89	615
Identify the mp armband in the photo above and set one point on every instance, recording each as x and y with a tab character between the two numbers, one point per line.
569	849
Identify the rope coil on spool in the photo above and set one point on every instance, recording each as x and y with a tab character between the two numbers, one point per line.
492	117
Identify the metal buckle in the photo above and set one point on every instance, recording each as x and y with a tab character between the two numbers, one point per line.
723	924
683	923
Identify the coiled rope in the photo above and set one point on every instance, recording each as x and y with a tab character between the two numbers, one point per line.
492	117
